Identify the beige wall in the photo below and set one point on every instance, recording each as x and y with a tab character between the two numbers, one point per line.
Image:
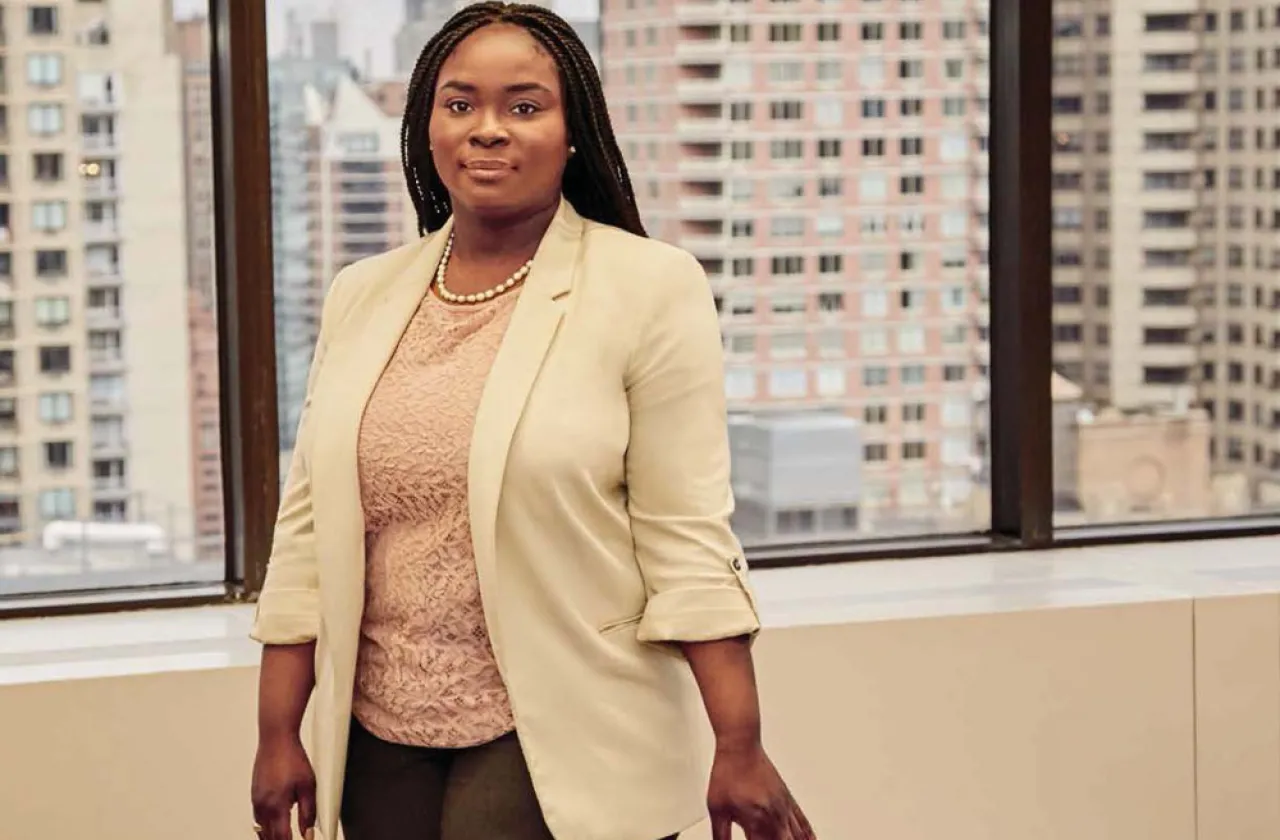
1100	722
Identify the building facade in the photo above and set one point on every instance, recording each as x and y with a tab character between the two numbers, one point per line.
1167	131
202	323
828	166
95	408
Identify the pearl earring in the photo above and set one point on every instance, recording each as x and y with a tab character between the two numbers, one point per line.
573	150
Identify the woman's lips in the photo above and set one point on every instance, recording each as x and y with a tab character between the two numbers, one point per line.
486	170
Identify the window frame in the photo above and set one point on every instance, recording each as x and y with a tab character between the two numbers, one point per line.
1021	444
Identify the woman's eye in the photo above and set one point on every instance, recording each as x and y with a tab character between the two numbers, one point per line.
525	109
458	106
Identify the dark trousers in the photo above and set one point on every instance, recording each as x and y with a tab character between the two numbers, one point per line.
395	792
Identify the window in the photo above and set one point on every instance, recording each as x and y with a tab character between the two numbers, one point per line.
42	20
896	259
55	407
51	263
784	32
9	462
52	311
57	504
44	70
49	216
47	166
44	120
786	110
57	454
55	360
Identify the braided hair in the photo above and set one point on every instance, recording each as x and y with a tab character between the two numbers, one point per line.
595	180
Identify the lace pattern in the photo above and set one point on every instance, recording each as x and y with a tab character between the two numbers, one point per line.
426	673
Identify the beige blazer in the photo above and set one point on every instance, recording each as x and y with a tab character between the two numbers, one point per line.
599	500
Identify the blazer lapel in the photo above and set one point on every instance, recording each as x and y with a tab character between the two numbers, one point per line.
369	345
528	338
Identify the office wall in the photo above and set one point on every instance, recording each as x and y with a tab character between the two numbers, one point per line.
1056	724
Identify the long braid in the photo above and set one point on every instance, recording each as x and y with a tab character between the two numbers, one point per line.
596	180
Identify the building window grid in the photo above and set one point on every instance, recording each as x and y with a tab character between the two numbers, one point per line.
869	33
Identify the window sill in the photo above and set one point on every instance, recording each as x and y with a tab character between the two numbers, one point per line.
216	637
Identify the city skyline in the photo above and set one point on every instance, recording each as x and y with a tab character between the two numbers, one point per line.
827	166
366	28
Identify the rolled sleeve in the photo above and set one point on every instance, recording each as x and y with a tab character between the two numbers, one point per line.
679	496
288	608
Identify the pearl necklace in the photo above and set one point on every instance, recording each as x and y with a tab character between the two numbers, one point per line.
478	297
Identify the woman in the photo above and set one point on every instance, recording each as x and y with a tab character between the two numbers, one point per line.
503	559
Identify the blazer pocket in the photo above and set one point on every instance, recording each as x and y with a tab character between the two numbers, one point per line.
620	624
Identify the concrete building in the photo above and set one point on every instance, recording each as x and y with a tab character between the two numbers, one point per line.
1167	123
1148	464
423	19
202	325
297	295
95	408
359	205
796	476
828	166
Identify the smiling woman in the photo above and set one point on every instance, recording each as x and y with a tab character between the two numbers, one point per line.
503	561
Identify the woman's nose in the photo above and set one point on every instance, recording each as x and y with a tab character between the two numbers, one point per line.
489	131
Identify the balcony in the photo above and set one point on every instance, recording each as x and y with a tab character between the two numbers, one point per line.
700	203
700	47
106	361
100	275
708	11
101	187
108	403
699	165
104	318
101	100
701	88
101	231
109	485
109	446
100	143
713	127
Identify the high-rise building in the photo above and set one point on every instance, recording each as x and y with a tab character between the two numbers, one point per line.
424	18
95	407
1167	126
828	167
297	296
360	206
202	325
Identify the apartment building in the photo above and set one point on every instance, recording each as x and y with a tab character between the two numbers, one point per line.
827	164
192	39
296	78
94	381
424	18
1167	131
359	206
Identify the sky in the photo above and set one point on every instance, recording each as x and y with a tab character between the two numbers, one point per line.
365	26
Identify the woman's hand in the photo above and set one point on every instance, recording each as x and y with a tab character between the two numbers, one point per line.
747	790
282	778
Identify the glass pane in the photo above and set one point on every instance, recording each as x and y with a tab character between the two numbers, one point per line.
110	472
1165	247
828	170
830	173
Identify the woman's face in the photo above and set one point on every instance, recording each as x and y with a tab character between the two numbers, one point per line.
497	127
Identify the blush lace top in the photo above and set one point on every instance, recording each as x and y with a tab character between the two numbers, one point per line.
426	673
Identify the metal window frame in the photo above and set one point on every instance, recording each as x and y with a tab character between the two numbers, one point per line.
1021	320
